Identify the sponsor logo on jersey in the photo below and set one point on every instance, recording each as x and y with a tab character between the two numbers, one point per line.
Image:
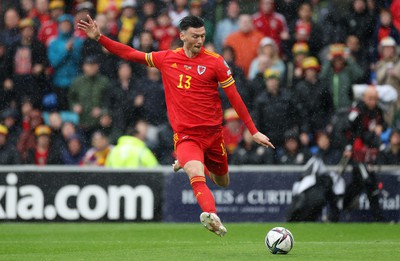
201	69
187	67
174	65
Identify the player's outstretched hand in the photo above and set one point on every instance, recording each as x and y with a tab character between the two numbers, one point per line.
262	140
91	28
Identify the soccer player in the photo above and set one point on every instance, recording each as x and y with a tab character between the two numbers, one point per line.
191	76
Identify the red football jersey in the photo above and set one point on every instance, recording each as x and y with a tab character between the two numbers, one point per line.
191	86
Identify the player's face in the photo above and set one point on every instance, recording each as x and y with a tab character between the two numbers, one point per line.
193	38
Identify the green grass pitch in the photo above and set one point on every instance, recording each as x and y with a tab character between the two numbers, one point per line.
164	241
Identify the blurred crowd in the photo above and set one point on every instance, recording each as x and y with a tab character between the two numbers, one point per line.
319	78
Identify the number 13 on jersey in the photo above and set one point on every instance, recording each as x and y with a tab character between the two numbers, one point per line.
184	81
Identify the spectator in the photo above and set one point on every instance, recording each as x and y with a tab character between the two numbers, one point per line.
320	10
304	30
244	42
391	154
27	139
120	98
26	63
240	79
268	48
324	150
196	8
165	33
249	152
97	154
82	10
339	72
131	150
165	148
8	96
55	123
108	127
92	48
294	66
360	55
40	13
44	152
228	25
64	54
128	24
271	23
388	71
314	101
359	22
366	127
10	34
86	94
49	29
73	153
146	44
394	8
151	91
292	153
9	118
8	153
232	130
178	10
273	105
384	28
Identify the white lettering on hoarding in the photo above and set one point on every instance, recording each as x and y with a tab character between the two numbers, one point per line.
27	202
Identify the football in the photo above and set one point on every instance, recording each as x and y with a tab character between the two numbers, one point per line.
279	240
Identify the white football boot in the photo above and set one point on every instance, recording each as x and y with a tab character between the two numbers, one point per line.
212	222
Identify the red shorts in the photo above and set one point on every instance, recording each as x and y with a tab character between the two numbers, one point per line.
206	146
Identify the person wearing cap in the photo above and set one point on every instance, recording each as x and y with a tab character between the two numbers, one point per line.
64	54
227	25
274	104
268	48
232	130
314	100
384	28
44	152
294	69
8	152
339	72
86	94
49	29
25	64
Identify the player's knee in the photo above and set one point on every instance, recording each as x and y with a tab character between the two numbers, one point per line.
193	171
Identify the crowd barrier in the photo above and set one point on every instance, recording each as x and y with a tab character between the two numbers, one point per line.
74	194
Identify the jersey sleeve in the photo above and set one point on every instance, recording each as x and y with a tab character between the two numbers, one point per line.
224	74
155	59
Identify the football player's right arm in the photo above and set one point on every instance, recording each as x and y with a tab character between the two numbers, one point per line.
121	50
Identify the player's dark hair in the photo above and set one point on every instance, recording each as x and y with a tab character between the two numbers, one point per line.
191	21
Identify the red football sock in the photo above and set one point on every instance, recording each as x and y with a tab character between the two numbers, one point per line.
203	194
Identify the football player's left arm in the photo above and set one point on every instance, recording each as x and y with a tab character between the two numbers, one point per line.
241	109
